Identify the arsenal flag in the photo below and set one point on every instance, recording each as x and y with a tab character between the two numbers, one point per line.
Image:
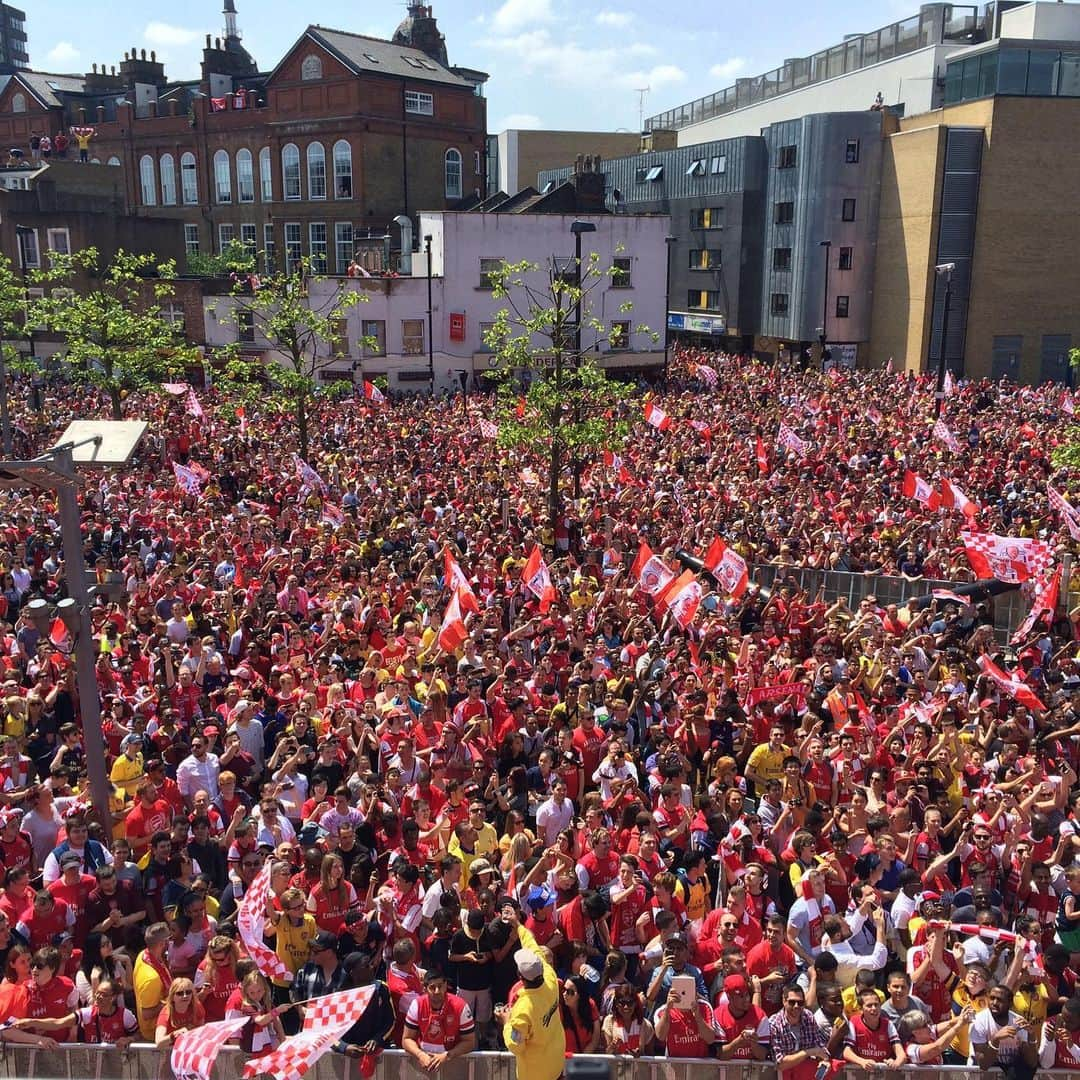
1007	558
762	455
452	632
952	498
373	393
651	573
728	567
657	417
915	487
1015	688
456	581
537	579
682	598
1044	604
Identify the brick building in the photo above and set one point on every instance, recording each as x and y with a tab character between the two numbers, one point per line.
342	135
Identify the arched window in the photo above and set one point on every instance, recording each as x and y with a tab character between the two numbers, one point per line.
311	68
266	175
113	161
290	170
168	180
18	103
316	171
453	174
245	177
189	180
146	180
222	176
342	170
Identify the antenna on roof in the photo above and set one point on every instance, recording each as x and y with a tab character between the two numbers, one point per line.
642	93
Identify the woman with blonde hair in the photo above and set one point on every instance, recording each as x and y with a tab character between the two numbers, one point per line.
263	1032
216	977
180	1013
332	896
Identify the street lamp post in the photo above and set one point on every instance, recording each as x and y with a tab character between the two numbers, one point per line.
943	270
669	242
430	335
101	443
827	245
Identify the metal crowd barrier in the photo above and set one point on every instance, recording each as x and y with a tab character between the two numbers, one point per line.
1010	608
144	1062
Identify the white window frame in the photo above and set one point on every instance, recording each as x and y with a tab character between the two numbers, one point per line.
191	239
189	179
50	240
320	261
316	170
245	176
376	330
343	245
31	252
290	163
294	245
451	161
249	236
148	180
174	313
226	235
269	247
343	167
245	327
222	178
413	350
266	175
167	175
419	103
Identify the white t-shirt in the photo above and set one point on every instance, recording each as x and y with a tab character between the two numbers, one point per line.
552	820
984	1028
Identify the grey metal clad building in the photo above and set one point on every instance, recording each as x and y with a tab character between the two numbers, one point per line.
715	194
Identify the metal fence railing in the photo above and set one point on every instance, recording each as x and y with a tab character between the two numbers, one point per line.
144	1062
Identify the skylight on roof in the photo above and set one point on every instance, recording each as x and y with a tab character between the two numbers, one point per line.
373	59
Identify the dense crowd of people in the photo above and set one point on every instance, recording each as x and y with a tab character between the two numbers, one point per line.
795	831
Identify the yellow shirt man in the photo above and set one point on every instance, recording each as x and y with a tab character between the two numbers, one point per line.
127	772
532	1028
293	943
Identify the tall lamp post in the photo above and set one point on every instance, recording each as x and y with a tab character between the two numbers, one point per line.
98	443
943	270
430	334
827	245
669	242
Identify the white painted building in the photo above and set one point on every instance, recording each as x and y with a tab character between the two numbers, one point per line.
464	247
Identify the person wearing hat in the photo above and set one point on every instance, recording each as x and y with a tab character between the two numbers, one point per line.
322	973
743	1026
541	921
128	770
532	1025
439	1025
74	887
472	953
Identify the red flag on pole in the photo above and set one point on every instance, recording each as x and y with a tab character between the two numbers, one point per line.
456	581
537	579
682	598
915	487
762	455
728	567
1015	688
656	416
373	393
651	573
452	632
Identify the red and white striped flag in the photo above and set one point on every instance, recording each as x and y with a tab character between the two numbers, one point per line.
728	567
790	441
952	498
1069	514
373	393
706	374
651	573
537	579
489	429
187	479
1015	688
452	632
196	1050
942	432
915	487
325	1021
656	416
454	579
1043	604
193	406
307	474
251	923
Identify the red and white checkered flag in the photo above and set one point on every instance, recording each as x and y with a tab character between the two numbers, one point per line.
1008	558
251	922
790	441
942	432
196	1050
707	374
489	429
188	479
1069	514
326	1019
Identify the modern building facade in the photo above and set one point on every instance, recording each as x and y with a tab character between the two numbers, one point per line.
345	133
13	54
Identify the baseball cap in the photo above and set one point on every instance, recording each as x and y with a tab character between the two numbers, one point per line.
540	896
127	740
529	964
324	940
735	984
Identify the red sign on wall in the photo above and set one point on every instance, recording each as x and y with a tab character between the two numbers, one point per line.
457	326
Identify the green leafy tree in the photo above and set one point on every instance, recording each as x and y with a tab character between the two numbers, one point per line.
547	329
305	336
116	336
1067	455
234	258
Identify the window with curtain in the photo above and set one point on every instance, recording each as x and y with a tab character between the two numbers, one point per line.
453	174
290	170
189	180
316	171
343	188
266	175
147	181
168	180
222	177
245	177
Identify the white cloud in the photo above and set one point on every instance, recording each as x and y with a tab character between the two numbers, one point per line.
614	18
63	52
729	69
161	33
662	75
515	15
519	121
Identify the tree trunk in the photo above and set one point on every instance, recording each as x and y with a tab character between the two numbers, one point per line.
117	404
302	424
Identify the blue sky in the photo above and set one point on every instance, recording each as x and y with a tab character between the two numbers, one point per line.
553	63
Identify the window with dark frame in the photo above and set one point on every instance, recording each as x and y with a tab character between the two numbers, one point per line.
621	268
844	262
851	152
781	258
785	213
245	327
842	304
848	210
778	303
786	157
